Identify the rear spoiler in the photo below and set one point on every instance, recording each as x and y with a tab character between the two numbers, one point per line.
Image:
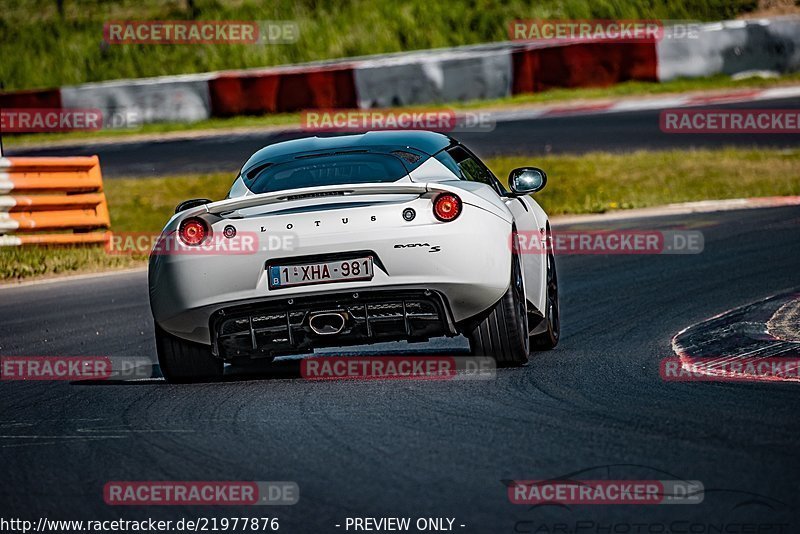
263	199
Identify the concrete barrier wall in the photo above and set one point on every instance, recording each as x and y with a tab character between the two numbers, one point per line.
582	65
164	99
732	47
45	98
281	90
433	78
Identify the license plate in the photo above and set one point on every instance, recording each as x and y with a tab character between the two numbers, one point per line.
320	273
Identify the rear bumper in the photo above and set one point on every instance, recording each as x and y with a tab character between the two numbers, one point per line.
467	261
281	326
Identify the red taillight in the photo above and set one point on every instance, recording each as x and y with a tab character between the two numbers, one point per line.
193	231
447	207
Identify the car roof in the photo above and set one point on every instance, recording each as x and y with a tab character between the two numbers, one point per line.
423	141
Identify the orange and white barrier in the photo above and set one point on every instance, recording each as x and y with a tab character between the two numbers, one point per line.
52	201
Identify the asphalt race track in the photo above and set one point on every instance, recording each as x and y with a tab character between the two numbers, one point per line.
615	132
593	408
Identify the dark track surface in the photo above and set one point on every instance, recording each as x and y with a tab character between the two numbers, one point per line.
615	132
430	448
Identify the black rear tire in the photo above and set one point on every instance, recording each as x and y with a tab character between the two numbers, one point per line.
503	334
549	338
183	361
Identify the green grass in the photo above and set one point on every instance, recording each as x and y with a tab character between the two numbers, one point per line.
144	205
598	182
591	183
41	47
20	263
624	89
136	205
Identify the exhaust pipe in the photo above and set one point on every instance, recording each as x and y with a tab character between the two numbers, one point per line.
327	324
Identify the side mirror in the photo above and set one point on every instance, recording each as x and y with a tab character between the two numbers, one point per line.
526	180
193	203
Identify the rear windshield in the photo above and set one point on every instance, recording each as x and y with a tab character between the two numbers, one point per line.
332	169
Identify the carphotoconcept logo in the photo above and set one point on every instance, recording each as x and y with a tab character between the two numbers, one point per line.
567	503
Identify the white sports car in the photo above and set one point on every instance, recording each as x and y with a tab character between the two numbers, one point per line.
382	236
